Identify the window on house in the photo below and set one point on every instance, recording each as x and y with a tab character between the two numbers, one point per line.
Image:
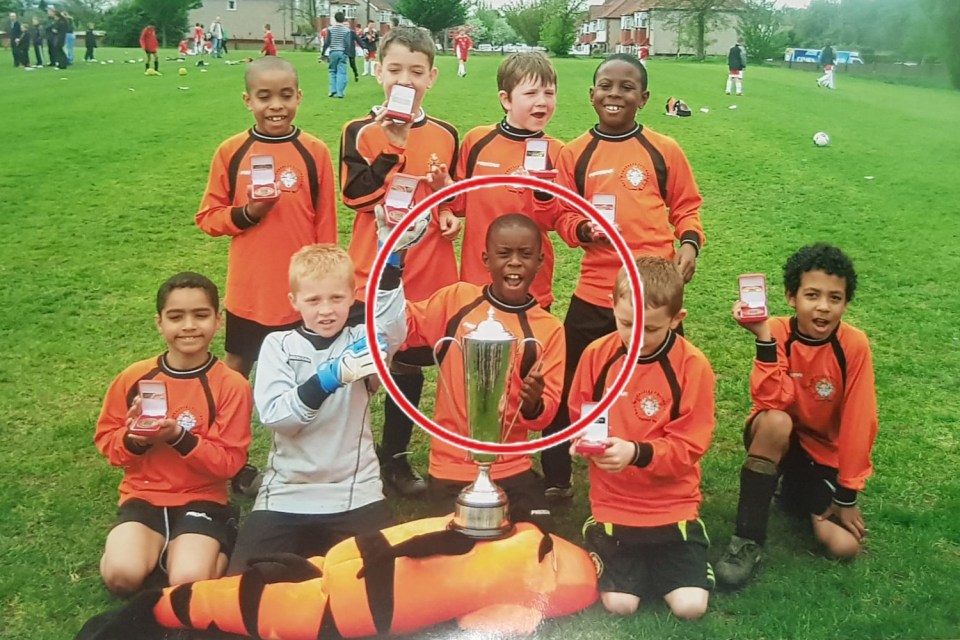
231	5
351	12
626	22
640	20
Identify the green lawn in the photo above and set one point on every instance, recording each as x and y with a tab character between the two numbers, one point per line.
102	171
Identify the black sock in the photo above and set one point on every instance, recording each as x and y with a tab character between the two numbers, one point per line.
758	481
397	427
156	65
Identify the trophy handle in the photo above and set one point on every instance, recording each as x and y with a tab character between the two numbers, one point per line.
536	367
440	379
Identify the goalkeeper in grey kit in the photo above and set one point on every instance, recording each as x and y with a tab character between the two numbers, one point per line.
313	387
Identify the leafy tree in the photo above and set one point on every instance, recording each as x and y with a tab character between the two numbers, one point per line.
436	16
559	32
526	19
123	24
168	16
948	14
760	28
702	17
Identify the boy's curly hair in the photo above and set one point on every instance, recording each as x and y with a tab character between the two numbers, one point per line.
819	257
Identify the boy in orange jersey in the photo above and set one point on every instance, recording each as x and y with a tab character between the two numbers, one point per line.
173	496
657	212
814	416
645	532
527	84
513	257
266	232
373	150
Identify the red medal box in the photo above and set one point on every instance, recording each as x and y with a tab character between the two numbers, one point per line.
400	197
263	179
400	104
153	407
753	295
593	440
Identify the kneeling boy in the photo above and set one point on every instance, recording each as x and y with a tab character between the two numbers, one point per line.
173	496
513	256
814	414
322	483
644	532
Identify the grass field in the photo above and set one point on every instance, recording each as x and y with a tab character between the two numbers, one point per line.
102	171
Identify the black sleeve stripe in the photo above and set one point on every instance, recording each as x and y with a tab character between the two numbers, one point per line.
529	358
601	382
356	186
312	175
211	404
671	376
583	162
454	322
477	148
233	168
841	358
659	164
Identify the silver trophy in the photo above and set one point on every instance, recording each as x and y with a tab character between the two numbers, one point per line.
482	509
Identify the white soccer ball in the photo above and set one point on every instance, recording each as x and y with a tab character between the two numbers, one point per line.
821	139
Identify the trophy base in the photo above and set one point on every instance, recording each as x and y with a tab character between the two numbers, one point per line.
482	510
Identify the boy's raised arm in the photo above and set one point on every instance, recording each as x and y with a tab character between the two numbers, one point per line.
218	216
771	386
363	184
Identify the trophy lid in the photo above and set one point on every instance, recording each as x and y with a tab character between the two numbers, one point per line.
490	330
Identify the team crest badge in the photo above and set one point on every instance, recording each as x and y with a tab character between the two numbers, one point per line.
824	388
187	421
633	177
647	404
288	178
515	170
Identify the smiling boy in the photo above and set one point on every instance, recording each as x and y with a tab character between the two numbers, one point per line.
814	416
173	496
527	84
657	212
373	150
266	232
513	257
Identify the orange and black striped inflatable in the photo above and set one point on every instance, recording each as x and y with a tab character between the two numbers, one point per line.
394	581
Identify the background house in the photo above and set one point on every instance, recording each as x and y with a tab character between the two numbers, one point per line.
622	26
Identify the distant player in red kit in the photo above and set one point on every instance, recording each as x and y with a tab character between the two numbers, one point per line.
462	45
148	42
269	48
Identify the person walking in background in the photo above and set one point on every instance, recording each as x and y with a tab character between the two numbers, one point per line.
36	37
148	42
216	34
370	39
354	43
90	40
462	45
826	59
736	62
69	38
269	46
16	31
51	37
339	37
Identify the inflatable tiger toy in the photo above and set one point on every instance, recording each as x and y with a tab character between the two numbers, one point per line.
394	581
